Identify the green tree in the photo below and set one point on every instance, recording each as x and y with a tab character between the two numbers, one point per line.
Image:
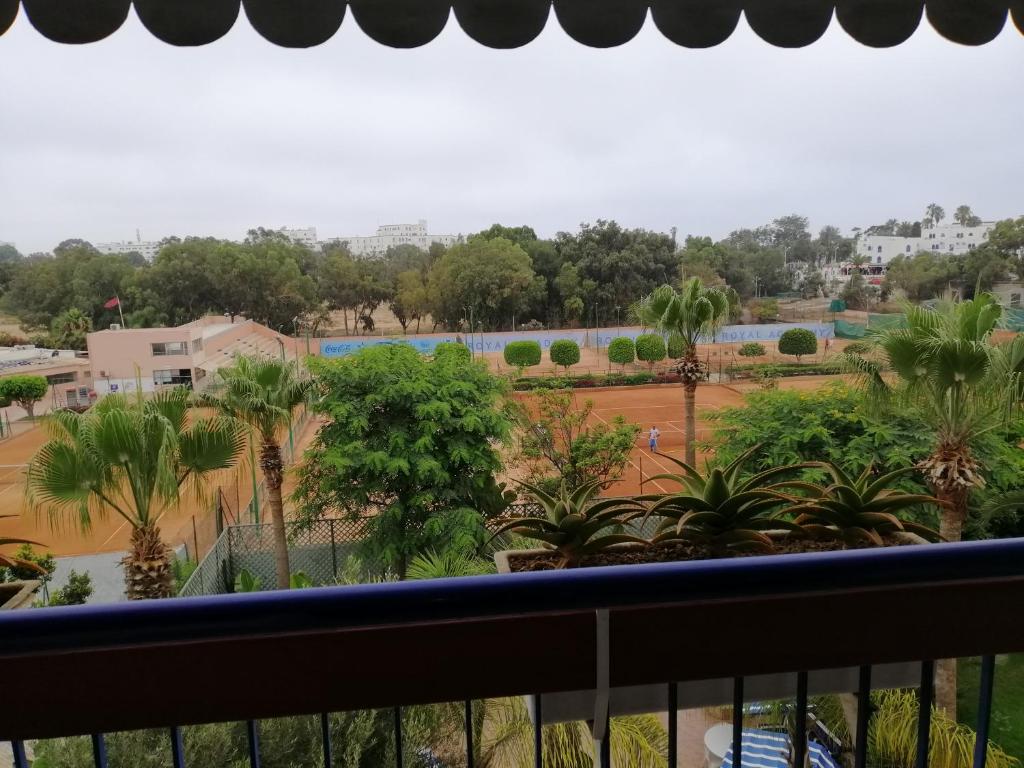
934	214
522	354
799	342
132	458
924	275
412	439
694	313
564	352
69	329
965	217
412	298
263	395
952	377
490	279
559	444
77	591
622	351
650	347
25	390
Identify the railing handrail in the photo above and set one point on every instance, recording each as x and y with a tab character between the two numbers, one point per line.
56	630
438	640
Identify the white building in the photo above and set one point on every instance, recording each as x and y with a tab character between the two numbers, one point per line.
303	236
878	250
394	234
147	248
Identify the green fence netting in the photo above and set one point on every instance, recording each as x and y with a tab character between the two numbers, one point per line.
848	330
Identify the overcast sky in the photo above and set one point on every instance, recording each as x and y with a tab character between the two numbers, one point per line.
98	140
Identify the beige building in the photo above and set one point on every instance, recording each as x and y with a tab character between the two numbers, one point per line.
67	372
123	360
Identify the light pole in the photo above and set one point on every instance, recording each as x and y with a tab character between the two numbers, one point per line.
291	433
618	325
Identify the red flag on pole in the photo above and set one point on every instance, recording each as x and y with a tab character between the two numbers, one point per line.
114	302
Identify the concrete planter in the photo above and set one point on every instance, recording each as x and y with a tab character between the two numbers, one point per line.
567	706
17	594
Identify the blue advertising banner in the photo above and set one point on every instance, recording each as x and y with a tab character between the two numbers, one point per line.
495	342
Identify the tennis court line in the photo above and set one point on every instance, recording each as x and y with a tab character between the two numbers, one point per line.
635	465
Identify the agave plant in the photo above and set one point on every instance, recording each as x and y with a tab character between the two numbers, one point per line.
574	524
722	509
861	510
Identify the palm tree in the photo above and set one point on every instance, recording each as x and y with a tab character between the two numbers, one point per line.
263	393
131	457
694	313
934	214
958	383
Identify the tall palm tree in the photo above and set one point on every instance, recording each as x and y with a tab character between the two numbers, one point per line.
133	458
695	312
264	393
935	214
949	373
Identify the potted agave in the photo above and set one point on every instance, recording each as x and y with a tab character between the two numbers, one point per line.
719	513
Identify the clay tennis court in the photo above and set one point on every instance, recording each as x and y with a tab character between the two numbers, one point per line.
662	406
193	523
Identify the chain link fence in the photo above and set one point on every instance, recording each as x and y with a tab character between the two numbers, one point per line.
321	550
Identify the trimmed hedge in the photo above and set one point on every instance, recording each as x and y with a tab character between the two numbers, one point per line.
752	349
460	351
798	342
650	348
676	347
783	369
588	382
522	354
622	351
564	352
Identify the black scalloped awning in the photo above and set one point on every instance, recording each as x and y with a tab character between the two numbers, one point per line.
512	23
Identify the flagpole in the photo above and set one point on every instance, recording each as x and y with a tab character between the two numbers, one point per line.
120	311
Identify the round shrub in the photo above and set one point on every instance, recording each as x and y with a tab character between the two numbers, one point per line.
522	354
798	342
858	348
676	347
622	351
564	352
650	348
458	351
752	349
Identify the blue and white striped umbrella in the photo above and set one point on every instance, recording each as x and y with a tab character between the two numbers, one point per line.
765	749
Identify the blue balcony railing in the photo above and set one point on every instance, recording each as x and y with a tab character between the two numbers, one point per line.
671	628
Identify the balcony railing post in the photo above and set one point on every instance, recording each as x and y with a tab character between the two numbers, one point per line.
334	551
252	730
673	725
863	717
177	748
99	750
988	671
924	714
469	734
800	724
538	733
399	756
737	722
20	760
325	737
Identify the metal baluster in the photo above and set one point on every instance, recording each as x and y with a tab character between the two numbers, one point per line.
924	714
99	750
800	734
606	748
469	733
673	725
20	760
860	757
737	722
399	758
325	738
988	673
538	734
252	729
177	748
